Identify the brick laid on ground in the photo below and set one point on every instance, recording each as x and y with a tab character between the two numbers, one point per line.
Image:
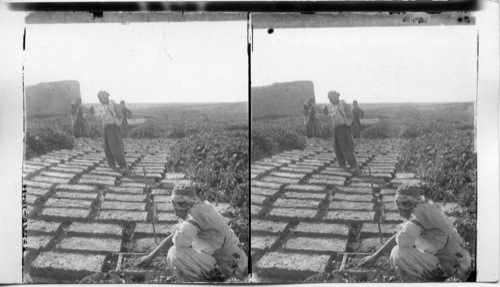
296	203
349	205
254	209
143	229
280	179
94	229
353	197
76	188
270	185
90	245
305	187
263	191
292	214
121	216
291	265
263	242
118	189
320	229
265	226
316	245
65	214
37	242
369	227
348	215
125	197
288	175
257	199
75	195
122	205
62	202
38	184
303	195
41	226
66	266
370	245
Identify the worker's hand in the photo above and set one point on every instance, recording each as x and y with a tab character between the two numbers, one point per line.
143	261
367	261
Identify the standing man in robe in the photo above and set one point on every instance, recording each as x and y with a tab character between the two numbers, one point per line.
356	124
112	117
76	116
343	143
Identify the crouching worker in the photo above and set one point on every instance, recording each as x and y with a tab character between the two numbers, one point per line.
426	246
201	243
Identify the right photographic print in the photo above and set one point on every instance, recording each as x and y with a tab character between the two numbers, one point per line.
363	147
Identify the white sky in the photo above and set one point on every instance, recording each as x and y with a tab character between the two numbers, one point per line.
143	62
371	64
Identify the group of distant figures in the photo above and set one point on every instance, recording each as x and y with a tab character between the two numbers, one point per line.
81	127
314	128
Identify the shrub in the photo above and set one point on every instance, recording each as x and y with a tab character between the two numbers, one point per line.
44	140
377	131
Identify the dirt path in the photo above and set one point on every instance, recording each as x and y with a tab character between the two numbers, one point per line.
80	213
306	211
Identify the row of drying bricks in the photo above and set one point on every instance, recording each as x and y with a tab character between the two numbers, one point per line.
293	196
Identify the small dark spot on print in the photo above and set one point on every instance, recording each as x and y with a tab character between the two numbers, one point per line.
270	31
459	255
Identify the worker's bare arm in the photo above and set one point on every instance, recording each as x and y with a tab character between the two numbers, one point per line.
386	248
163	247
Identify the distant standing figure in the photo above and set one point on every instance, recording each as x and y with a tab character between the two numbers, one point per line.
358	114
325	111
112	117
343	143
309	111
127	114
91	111
77	120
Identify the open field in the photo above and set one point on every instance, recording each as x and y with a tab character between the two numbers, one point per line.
80	210
298	191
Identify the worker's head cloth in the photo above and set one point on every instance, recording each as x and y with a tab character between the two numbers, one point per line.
184	196
408	196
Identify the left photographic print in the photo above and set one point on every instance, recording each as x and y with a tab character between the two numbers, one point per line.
136	160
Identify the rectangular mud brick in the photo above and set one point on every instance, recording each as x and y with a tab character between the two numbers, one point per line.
329	177
255	210
364	184
170	183
106	173
292	214
312	163
40	226
393	216
403	175
296	170
38	242
350	205
306	187
122	205
62	202
335	173
263	242
353	197
280	179
76	187
303	195
349	215
320	229
265	226
29	210
366	179
326	181
94	230
63	175
258	199
175	176
96	181
300	166
65	214
146	245
293	266
163	205
38	184
75	195
351	189
162	192
316	245
372	228
132	184
296	203
143	229
90	245
252	175
66	169
288	175
167	217
99	177
66	266
33	199
370	245
125	197
262	191
262	184
124	190
121	216
388	192
270	163
37	163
